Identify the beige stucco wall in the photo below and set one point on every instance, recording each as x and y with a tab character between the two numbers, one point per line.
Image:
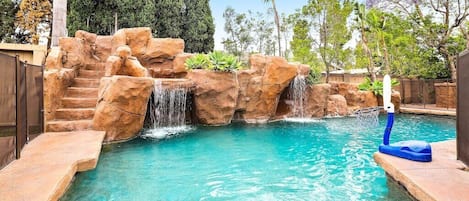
32	54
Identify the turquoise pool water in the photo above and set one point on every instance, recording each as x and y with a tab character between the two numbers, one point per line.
325	160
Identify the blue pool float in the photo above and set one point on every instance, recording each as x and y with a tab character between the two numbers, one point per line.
412	149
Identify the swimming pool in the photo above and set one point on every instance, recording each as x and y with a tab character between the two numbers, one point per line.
325	160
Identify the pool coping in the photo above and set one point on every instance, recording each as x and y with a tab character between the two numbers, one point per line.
442	179
438	112
48	164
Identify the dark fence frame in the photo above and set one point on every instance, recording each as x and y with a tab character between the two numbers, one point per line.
462	111
421	91
28	106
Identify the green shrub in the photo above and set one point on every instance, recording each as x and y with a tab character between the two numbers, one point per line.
376	87
216	61
198	61
314	76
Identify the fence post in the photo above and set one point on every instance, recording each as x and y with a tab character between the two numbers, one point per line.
18	107
26	99
422	93
447	94
41	100
402	91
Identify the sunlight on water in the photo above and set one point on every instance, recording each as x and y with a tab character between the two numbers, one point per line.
302	120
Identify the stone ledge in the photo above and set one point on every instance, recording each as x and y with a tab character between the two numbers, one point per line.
428	111
48	164
441	179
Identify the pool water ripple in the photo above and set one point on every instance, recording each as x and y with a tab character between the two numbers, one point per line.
317	160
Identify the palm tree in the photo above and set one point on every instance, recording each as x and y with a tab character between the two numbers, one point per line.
277	23
59	26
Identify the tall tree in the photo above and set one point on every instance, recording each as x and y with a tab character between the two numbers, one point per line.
288	24
169	18
8	9
436	22
92	16
34	18
277	23
331	18
302	43
104	17
262	31
238	28
362	24
198	28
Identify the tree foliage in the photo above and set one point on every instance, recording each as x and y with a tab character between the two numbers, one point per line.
190	20
238	28
8	9
277	24
198	28
33	18
262	32
302	43
169	18
436	23
330	16
101	17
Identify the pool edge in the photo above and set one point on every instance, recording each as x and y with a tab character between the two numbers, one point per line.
441	179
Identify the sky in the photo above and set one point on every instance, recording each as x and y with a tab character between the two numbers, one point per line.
242	6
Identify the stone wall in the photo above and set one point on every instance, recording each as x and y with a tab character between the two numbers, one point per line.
253	95
445	95
122	105
56	82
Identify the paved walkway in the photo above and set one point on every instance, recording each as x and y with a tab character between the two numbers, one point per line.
427	109
442	179
48	164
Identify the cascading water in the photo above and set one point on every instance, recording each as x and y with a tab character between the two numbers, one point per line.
167	111
298	95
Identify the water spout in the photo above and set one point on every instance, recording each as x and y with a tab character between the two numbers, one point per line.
167	111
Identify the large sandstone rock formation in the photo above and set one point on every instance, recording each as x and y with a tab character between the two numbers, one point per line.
262	86
122	105
122	63
156	54
317	100
54	59
337	105
161	56
215	96
356	99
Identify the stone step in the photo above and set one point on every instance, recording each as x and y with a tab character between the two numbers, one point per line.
74	113
95	66
62	126
86	82
78	92
79	102
90	73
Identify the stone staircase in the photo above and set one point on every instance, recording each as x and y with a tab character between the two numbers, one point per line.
79	102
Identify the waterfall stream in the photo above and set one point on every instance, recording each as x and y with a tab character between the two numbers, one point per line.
167	111
298	96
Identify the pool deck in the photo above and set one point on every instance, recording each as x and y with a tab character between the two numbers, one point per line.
430	109
48	164
442	179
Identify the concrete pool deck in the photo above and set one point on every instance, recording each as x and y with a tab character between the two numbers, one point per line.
442	179
48	164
